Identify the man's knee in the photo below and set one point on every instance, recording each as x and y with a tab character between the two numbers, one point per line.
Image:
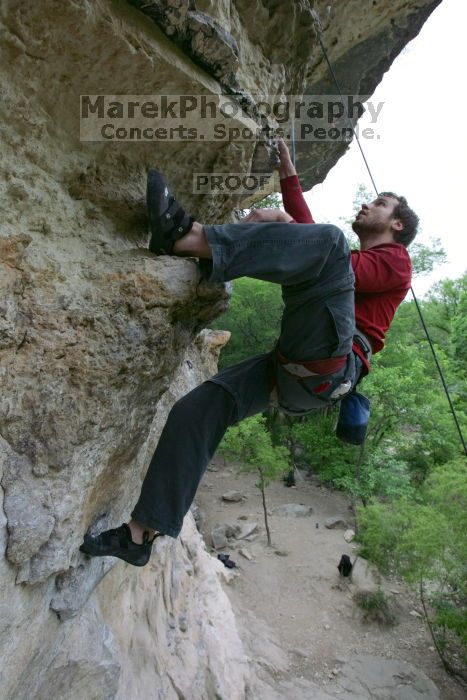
204	399
188	403
335	233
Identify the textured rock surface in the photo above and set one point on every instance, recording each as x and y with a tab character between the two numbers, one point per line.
368	677
293	510
375	33
335	522
270	48
168	626
98	337
233	496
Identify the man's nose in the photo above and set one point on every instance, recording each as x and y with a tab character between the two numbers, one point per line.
364	206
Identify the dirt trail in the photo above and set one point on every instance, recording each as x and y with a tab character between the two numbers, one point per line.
299	593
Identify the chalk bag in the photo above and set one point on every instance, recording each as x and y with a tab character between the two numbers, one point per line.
354	415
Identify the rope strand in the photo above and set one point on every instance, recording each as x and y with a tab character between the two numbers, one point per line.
422	320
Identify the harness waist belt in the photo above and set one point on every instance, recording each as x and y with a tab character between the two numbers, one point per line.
309	368
364	343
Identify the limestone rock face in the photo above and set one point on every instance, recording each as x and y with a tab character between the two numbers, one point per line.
269	48
103	629
98	337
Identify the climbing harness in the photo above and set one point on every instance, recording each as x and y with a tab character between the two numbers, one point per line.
318	30
302	387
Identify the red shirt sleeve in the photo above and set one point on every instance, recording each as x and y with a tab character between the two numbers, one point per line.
294	201
382	268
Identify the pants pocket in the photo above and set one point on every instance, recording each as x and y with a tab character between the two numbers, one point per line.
342	313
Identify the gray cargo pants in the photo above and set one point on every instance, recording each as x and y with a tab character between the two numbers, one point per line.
312	264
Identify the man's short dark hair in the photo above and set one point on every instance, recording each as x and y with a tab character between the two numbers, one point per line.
408	217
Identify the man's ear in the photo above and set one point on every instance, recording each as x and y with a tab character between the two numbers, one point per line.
397	225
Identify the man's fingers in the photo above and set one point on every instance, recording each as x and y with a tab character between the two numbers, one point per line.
282	146
267	215
252	216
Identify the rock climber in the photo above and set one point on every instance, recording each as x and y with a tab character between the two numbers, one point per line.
338	306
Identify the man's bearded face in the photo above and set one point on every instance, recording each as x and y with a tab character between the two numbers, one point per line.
375	217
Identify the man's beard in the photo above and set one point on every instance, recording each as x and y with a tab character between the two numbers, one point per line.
364	227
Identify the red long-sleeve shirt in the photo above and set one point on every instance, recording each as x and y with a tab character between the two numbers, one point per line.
382	274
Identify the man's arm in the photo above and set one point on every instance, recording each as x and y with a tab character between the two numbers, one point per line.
292	195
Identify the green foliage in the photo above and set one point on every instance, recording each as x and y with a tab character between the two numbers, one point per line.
377	472
250	443
409	405
411	428
375	607
447	295
323	453
410	474
270	201
253	319
426	257
380	475
443	310
446	312
448	618
380	527
425	541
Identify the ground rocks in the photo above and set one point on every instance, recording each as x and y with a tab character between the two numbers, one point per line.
233	496
219	536
246	530
293	510
222	534
198	515
375	678
246	553
335	522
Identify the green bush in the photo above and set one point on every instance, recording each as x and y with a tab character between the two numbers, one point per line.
250	443
375	607
253	318
425	541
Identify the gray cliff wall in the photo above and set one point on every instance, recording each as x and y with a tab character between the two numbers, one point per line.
98	336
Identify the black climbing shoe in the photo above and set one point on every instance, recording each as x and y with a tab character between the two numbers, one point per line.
118	543
167	218
227	561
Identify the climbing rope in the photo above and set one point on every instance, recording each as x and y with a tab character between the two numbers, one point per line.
318	30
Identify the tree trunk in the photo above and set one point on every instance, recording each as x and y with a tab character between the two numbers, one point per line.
265	510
